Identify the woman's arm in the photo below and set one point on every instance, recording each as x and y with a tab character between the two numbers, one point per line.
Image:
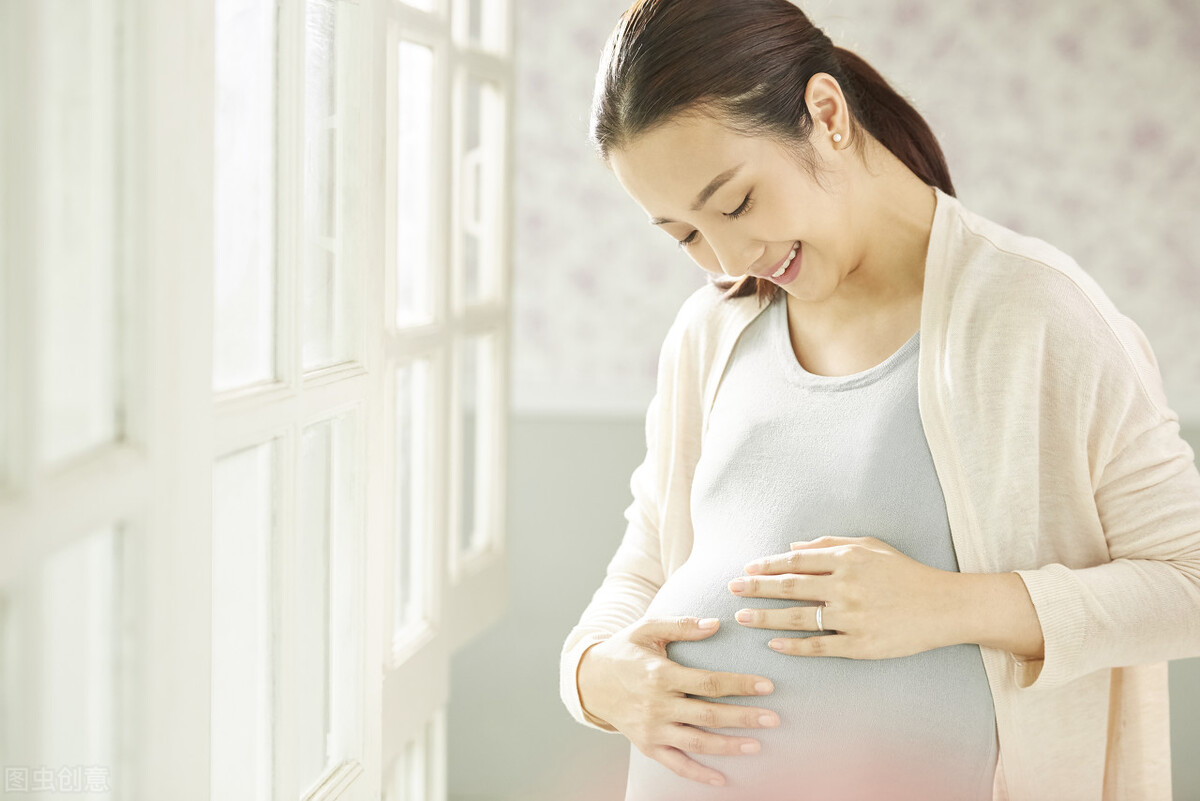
631	579
636	571
995	610
1144	605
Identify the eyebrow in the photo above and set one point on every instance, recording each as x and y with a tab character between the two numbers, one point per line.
705	193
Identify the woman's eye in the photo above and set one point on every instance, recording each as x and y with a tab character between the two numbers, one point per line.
733	215
742	209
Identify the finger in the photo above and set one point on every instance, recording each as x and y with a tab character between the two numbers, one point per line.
789	586
823	560
815	645
793	618
826	542
715	684
657	630
685	766
716	715
698	741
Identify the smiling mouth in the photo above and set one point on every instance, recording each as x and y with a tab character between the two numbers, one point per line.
781	266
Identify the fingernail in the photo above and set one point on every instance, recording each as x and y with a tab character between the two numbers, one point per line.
717	782
708	623
764	687
737	585
776	645
768	720
744	616
753	567
750	748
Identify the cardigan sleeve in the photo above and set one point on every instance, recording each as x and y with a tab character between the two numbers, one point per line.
635	573
1143	606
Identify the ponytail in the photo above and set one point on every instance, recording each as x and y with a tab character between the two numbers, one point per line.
889	118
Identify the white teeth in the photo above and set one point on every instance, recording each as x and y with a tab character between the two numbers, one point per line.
787	263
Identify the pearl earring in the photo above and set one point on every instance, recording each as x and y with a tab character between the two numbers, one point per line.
837	137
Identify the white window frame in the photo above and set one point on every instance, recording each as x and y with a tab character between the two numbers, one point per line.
463	592
157	481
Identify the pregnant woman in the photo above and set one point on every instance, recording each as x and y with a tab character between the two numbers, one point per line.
915	519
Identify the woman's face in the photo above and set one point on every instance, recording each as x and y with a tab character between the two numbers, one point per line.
764	204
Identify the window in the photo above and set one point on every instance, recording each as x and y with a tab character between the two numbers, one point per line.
419	773
448	95
293	389
250	458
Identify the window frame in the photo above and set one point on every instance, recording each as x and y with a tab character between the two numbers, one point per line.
156	481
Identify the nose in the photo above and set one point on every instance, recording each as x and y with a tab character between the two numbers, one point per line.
735	259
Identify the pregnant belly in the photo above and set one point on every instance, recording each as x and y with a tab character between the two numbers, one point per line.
920	726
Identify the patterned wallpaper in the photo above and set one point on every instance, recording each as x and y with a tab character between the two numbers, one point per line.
1074	121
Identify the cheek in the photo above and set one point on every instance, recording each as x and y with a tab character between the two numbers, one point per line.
703	256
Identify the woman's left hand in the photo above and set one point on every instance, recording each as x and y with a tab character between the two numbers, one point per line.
881	603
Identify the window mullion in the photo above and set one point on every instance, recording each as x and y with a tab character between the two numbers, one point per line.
285	646
20	289
290	187
289	232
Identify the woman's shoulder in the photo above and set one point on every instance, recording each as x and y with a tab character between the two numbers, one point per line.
1022	295
1010	262
710	310
705	326
708	314
1019	277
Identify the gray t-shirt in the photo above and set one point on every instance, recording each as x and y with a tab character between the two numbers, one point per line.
790	455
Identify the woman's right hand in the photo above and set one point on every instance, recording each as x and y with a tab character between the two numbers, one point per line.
629	682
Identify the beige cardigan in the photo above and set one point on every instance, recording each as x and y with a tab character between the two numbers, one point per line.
1059	459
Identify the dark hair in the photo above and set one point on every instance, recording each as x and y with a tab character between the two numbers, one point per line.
749	62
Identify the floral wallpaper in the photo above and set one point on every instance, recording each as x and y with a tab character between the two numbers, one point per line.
1075	122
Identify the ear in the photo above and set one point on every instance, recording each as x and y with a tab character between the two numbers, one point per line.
828	107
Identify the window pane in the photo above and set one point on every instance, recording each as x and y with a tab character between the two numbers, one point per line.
484	25
77	363
323	603
243	506
476	364
480	189
75	220
312	605
320	99
324	341
414	161
419	772
405	779
61	643
475	20
412	509
322	345
414	781
244	191
435	753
